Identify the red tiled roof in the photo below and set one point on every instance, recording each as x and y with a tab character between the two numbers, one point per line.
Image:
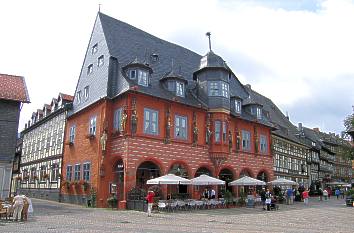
66	97
13	88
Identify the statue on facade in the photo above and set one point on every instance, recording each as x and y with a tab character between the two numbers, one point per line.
238	140
195	134
208	135
168	127
230	141
134	121
103	140
123	122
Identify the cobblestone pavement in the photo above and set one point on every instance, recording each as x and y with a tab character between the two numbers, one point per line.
330	216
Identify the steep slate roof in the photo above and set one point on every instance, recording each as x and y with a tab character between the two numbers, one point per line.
127	43
67	97
311	135
13	88
284	127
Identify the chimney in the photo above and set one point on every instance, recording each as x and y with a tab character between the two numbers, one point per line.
287	115
26	126
29	123
300	127
249	86
316	129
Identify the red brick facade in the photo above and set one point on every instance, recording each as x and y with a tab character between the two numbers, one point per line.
137	148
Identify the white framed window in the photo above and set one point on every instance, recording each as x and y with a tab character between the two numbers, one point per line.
55	172
100	61
92	129
86	92
77	172
132	74
224	89
69	172
218	88
224	132
180	127
86	171
180	89
217	131
151	121
94	48
263	144
89	69
78	97
213	88
246	140
72	134
117	118
259	113
238	106
143	78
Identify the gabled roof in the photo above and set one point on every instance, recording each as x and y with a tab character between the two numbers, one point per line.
13	88
66	97
284	127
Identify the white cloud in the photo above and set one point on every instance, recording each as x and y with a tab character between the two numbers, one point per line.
280	51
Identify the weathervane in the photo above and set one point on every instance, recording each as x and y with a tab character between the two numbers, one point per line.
208	35
99	7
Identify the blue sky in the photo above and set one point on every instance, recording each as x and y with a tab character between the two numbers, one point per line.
298	53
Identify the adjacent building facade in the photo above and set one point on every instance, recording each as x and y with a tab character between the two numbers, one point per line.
144	107
13	93
42	149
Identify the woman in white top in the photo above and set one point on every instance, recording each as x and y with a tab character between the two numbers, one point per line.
18	206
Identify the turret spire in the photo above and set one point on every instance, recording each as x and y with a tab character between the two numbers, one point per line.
208	34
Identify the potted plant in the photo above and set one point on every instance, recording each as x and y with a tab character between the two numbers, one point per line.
19	178
228	198
112	201
46	176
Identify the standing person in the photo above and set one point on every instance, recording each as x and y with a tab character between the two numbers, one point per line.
212	194
329	190
337	193
263	197
268	199
320	194
342	192
24	212
305	196
289	196
18	206
150	200
325	194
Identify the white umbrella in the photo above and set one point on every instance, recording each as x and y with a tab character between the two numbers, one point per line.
247	181
339	183
282	181
169	179
206	180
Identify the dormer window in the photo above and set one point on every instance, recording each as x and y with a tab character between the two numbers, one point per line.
143	78
132	74
218	88
238	106
78	97
256	111
180	89
95	48
100	61
89	69
86	92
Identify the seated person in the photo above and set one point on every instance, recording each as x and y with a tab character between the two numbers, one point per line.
273	204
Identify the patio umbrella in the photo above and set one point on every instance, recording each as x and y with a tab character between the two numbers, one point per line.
206	180
247	181
169	179
339	183
282	181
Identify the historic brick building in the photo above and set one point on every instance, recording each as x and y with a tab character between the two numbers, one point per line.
145	107
13	93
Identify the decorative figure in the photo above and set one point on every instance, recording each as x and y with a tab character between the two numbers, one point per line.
134	121
230	141
123	122
195	130
168	126
238	140
208	131
255	140
103	140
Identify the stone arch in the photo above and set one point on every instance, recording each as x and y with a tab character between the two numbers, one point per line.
246	172
226	174
146	170
179	168
263	175
118	178
203	170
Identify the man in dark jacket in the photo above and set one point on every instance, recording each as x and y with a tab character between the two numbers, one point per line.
263	197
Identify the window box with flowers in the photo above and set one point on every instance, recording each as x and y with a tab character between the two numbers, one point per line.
46	176
35	177
65	184
74	183
25	178
90	136
84	184
19	178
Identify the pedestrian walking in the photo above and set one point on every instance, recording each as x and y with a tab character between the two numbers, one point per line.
289	196
305	196
268	199
337	193
18	206
325	194
263	197
320	194
342	192
150	201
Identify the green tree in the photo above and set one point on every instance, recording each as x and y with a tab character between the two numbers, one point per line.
348	149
